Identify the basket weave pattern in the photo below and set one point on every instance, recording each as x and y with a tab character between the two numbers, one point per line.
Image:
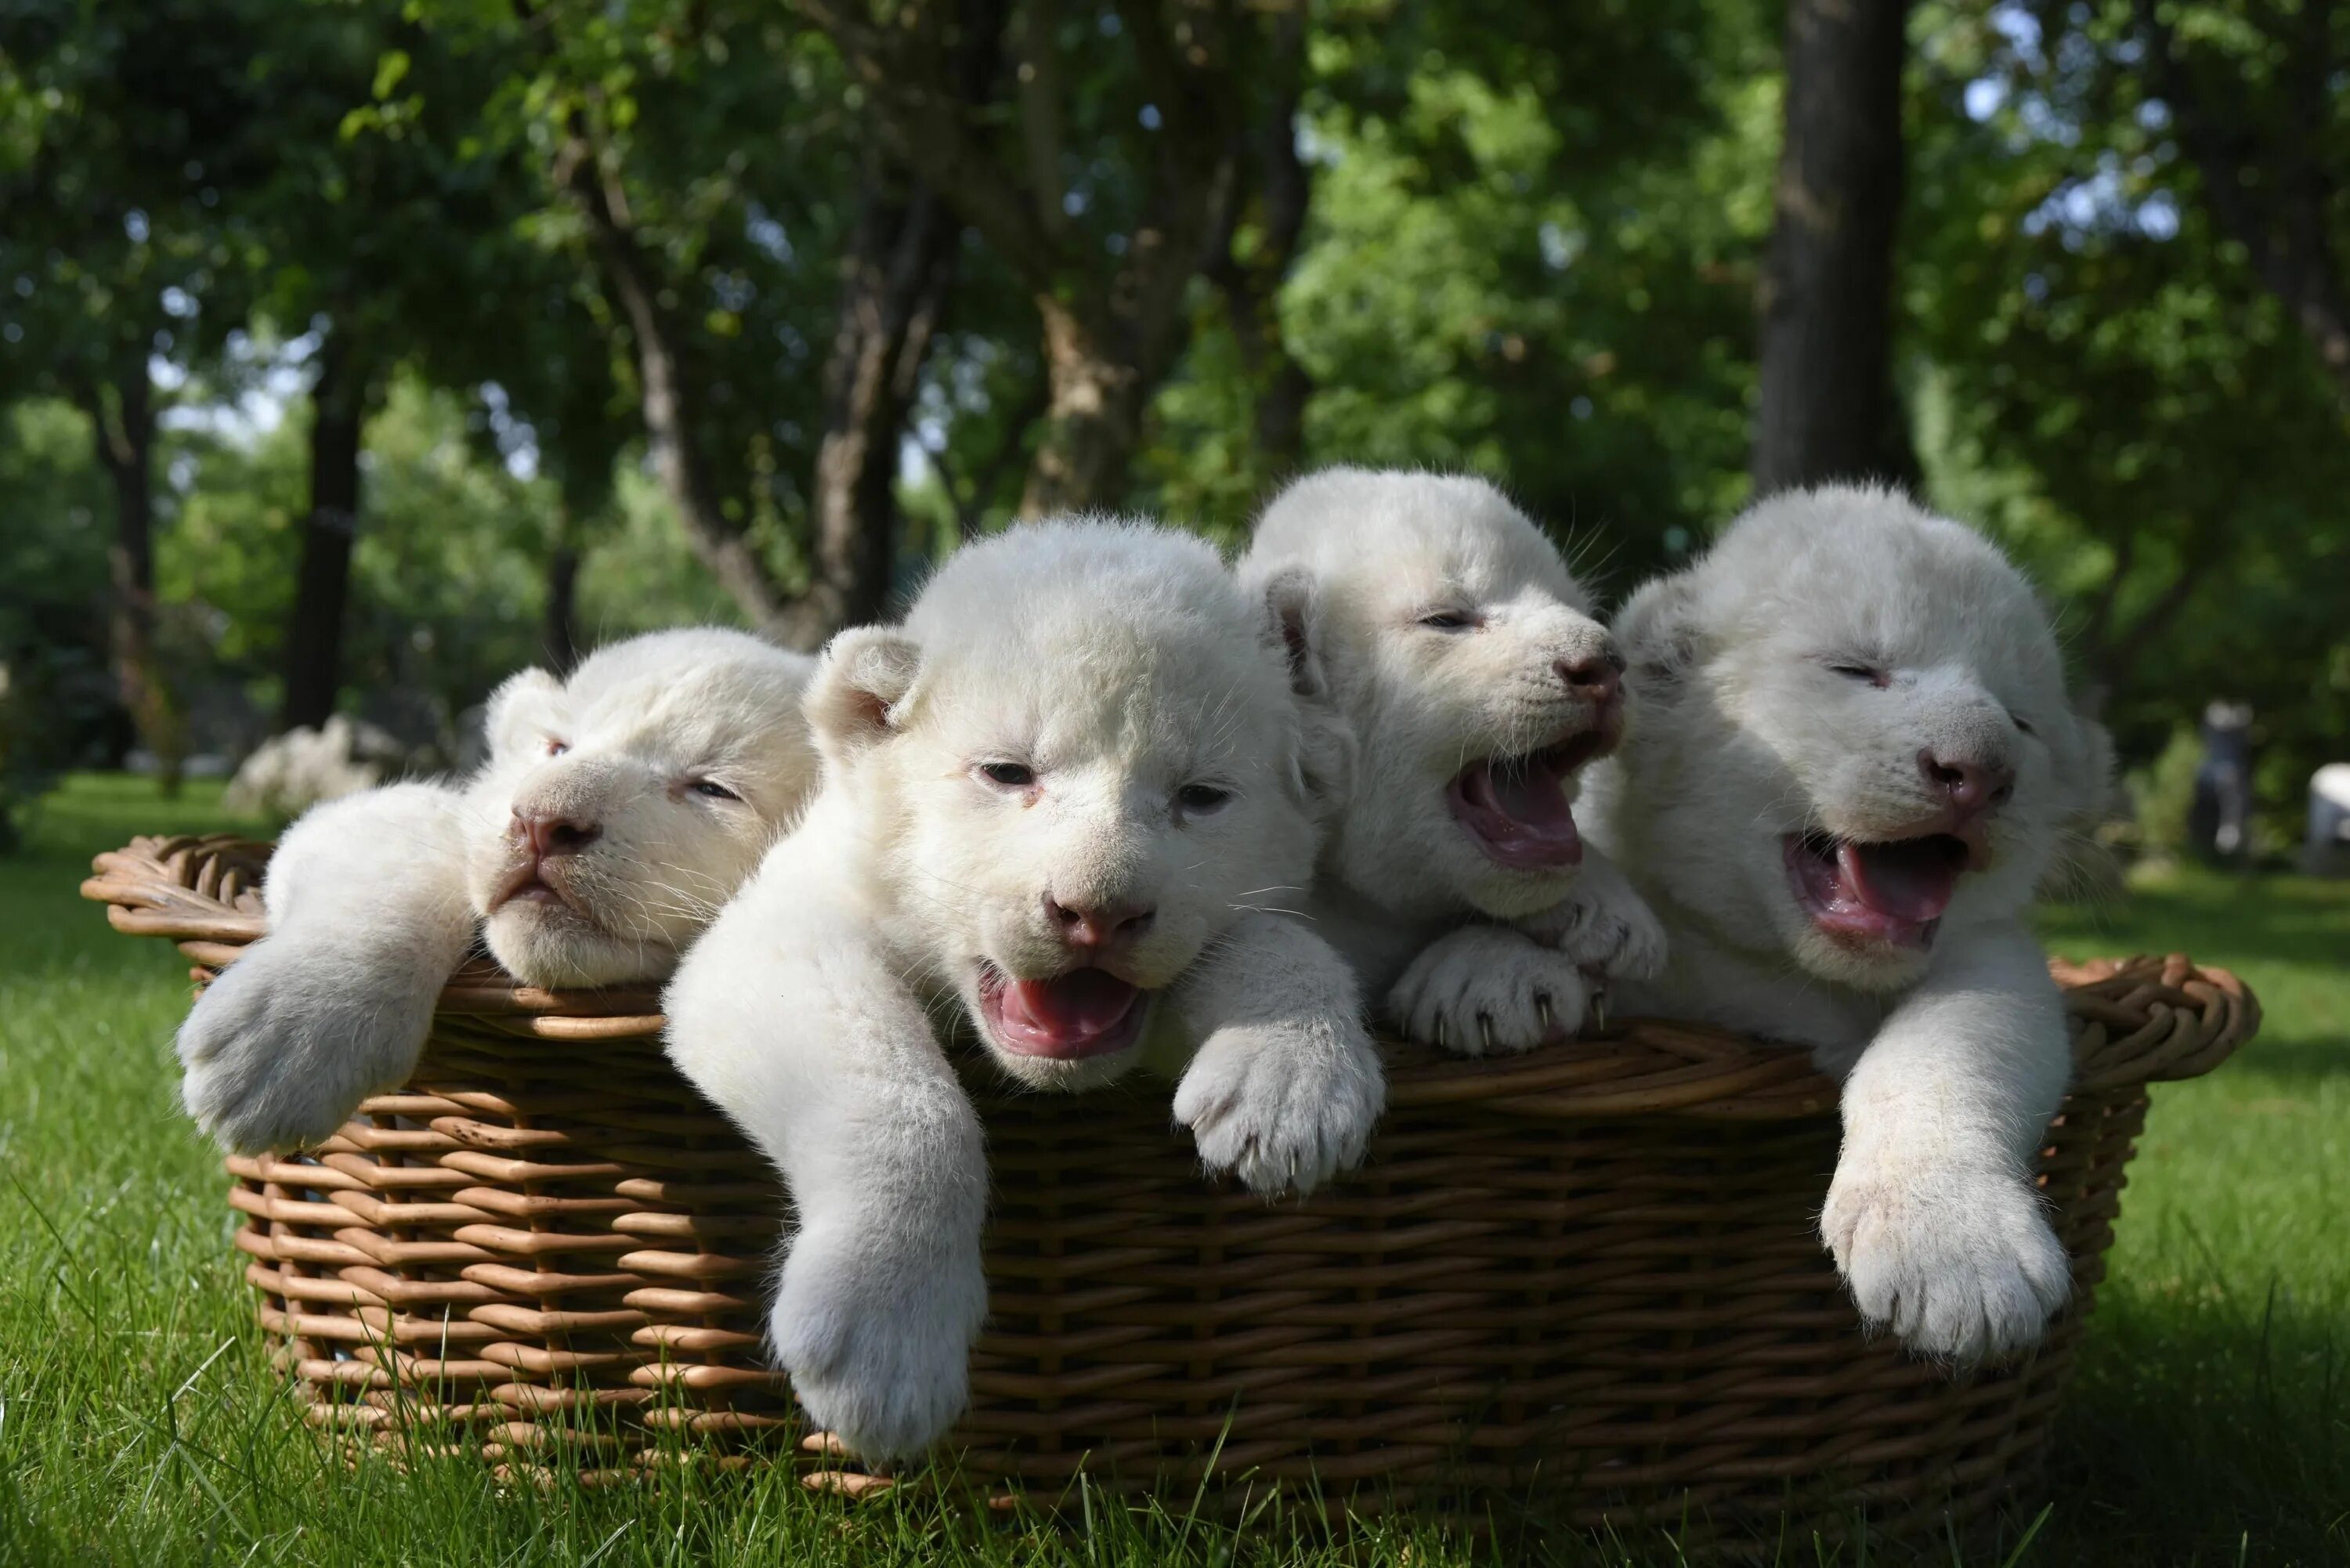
1589	1272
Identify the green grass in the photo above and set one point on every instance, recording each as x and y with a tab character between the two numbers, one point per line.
139	1422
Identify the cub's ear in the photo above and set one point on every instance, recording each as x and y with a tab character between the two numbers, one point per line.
521	711
1323	776
1293	618
1658	632
1325	771
852	698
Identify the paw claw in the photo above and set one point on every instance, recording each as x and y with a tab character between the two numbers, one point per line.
1493	988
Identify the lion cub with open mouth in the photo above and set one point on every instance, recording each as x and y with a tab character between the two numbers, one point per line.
1059	795
1463	659
1854	759
618	809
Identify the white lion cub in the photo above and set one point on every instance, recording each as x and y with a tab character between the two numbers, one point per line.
1462	656
1061	787
1855	756
617	811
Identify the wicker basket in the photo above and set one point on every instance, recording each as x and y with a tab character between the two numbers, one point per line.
1587	1275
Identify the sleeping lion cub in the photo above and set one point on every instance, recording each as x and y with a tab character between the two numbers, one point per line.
617	811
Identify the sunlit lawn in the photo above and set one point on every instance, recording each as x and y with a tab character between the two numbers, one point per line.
139	1422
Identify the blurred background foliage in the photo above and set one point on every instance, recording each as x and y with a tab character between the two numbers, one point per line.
355	352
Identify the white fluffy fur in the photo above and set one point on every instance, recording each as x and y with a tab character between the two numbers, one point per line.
1122	663
1954	1056
1467	952
373	898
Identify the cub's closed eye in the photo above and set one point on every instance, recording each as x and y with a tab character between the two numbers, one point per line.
1010	776
1201	799
715	790
1869	673
1448	620
2022	725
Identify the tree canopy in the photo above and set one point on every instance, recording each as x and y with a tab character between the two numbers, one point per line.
354	351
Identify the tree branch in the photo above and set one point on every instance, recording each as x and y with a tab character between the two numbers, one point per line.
666	393
2196	556
2287	242
1040	111
988	478
1284	189
1187	70
922	117
2101	614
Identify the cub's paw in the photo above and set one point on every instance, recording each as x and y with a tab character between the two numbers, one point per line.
1489	989
1961	1265
1283	1105
1607	928
876	1335
279	1051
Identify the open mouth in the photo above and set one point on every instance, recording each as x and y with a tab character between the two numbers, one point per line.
1516	807
1072	1017
1892	893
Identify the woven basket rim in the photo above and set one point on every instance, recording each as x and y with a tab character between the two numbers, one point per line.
545	1226
2145	1019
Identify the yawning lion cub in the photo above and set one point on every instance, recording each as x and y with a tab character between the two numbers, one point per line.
1463	661
1854	759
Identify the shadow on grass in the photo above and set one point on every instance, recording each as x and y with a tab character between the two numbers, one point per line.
2207	1431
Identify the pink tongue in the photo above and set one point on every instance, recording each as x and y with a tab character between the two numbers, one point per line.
1063	1015
1532	797
1521	814
1912	880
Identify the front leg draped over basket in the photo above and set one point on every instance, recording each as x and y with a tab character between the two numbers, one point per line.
1589	1272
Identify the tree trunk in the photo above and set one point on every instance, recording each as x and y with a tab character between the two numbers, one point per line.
1828	408
1109	333
1281	416
561	627
314	645
894	284
1093	417
1252	288
123	421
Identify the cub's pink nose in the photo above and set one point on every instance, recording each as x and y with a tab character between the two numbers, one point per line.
1595	680
1972	786
1098	927
553	835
